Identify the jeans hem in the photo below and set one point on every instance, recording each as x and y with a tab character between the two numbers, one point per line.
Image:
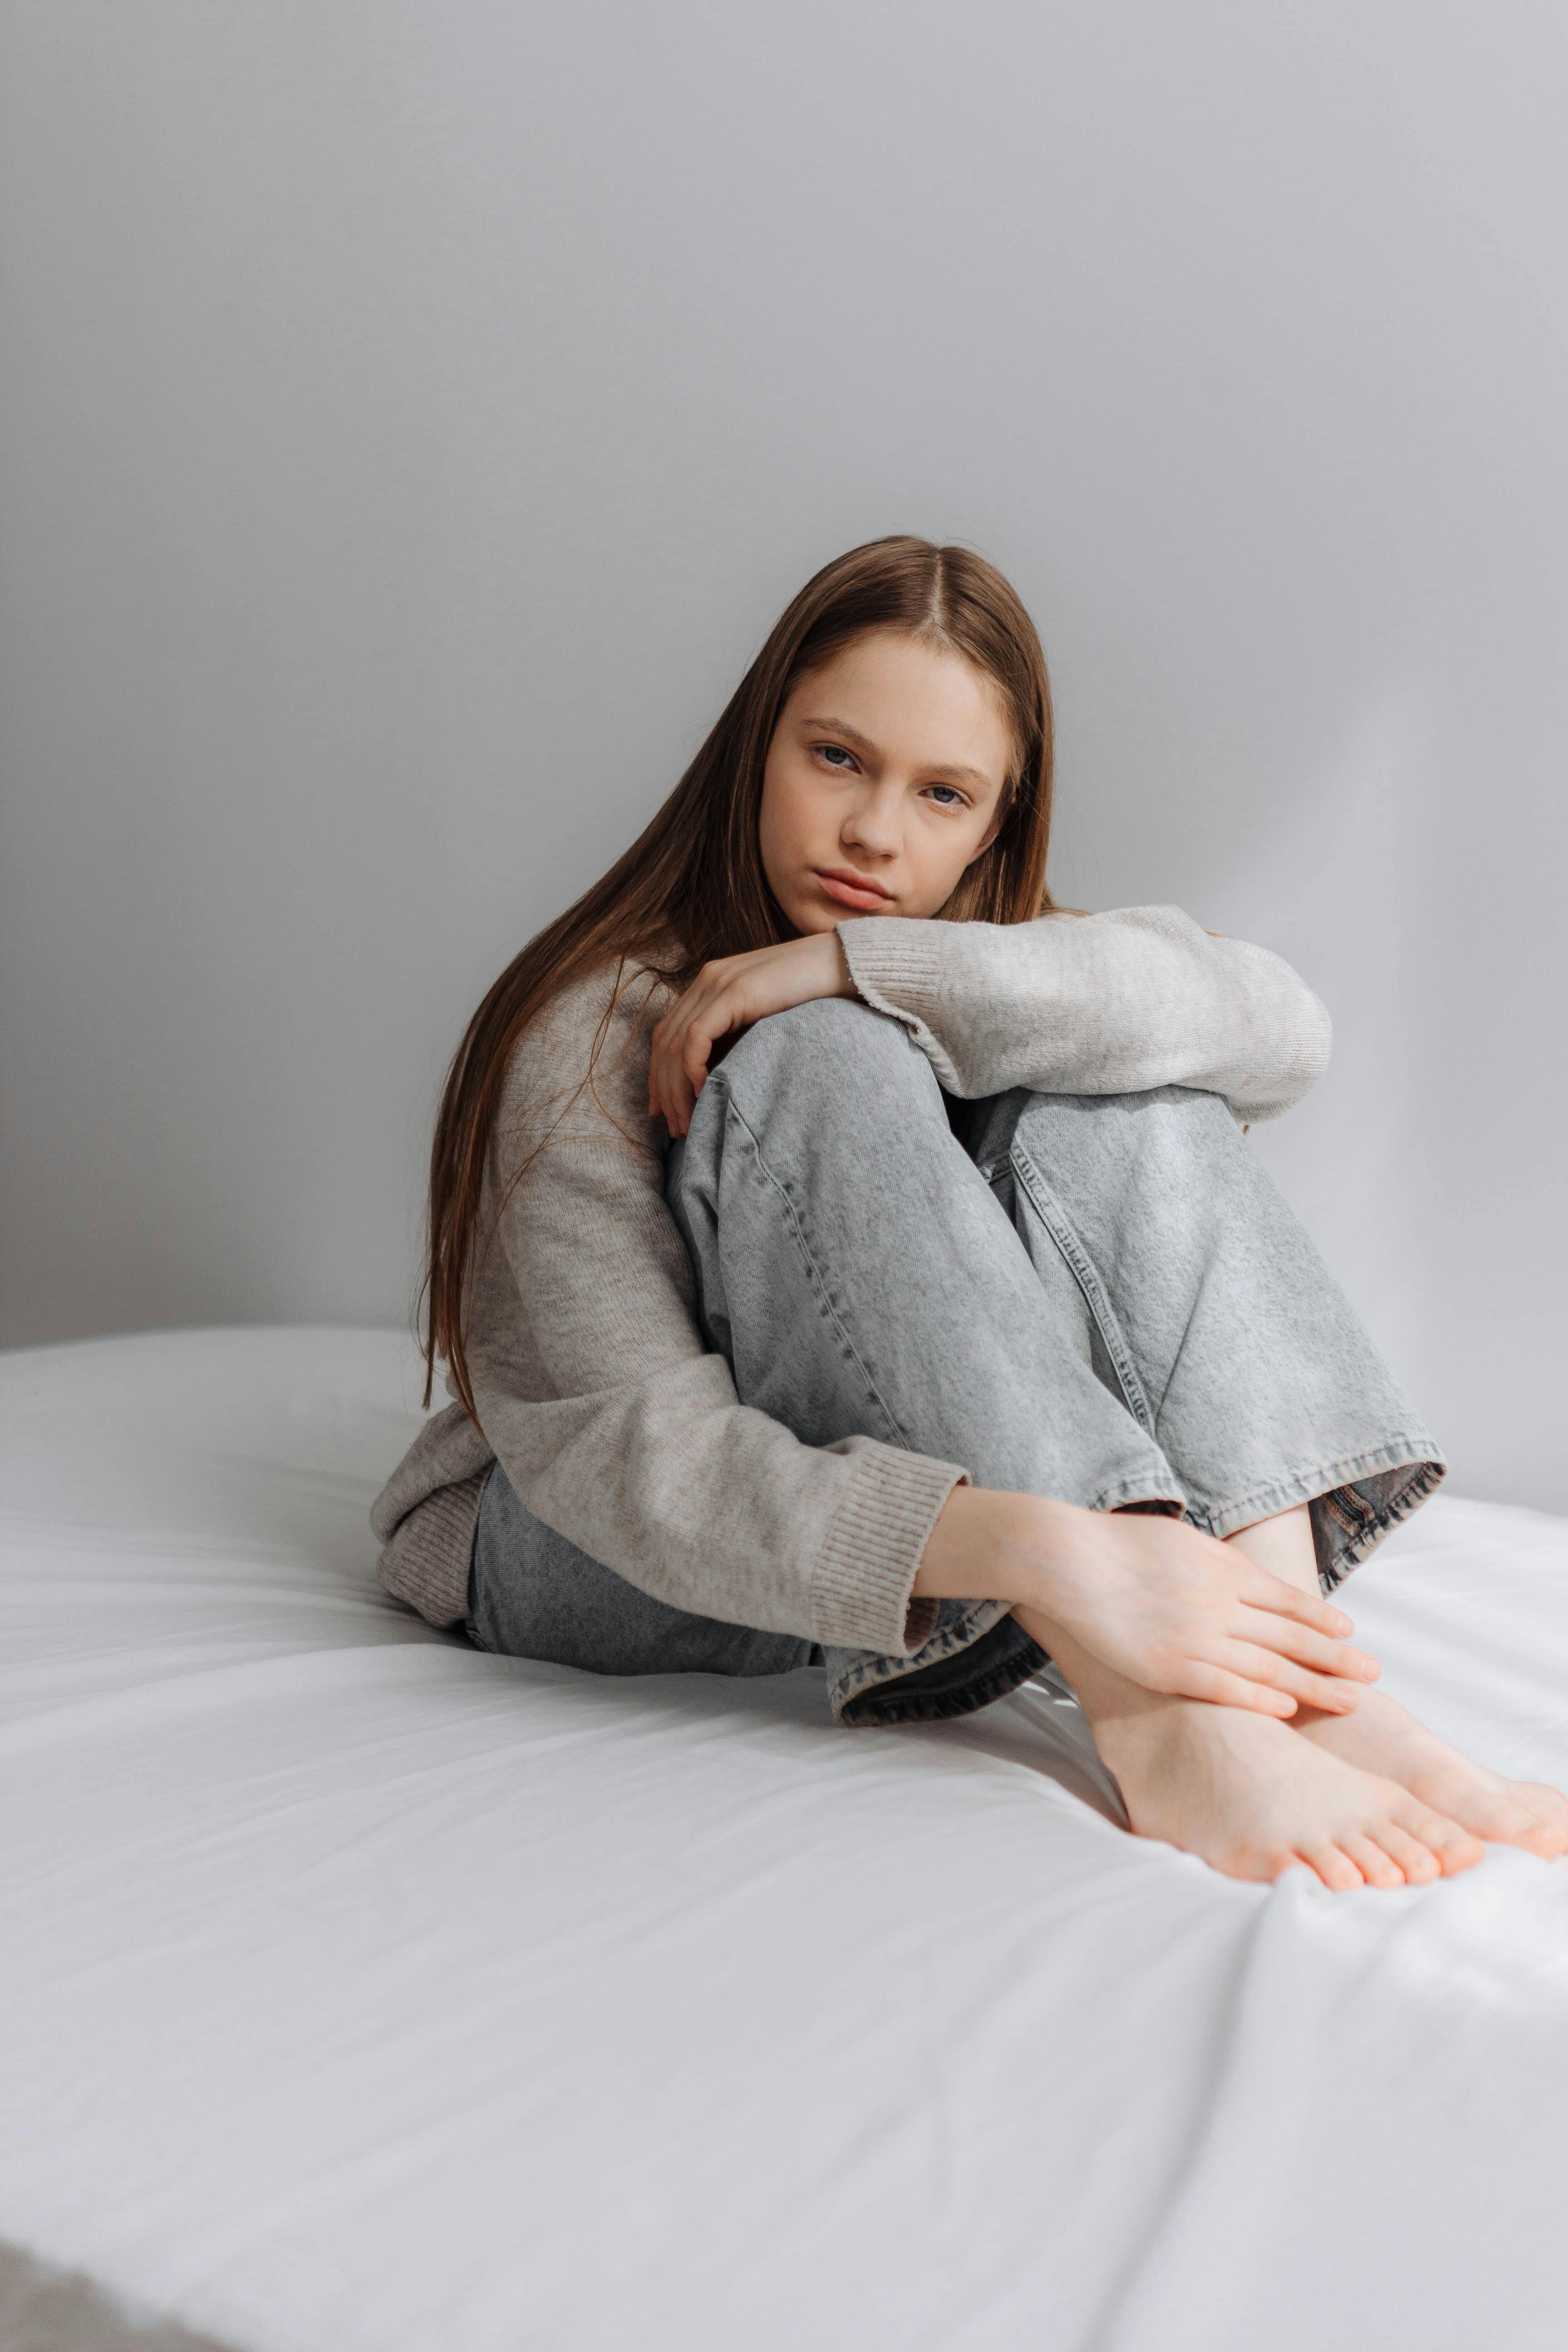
881	1705
867	1669
1142	1489
1359	1526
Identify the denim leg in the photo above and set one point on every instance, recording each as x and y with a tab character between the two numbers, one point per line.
862	1276
533	1594
1214	1317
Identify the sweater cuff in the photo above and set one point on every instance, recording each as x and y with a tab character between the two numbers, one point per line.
896	965
861	1587
426	1562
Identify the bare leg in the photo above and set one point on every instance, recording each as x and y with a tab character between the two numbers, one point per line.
1380	1736
1283	1545
1244	1794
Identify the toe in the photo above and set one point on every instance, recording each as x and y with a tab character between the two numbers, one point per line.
1548	1807
1375	1864
1517	1826
1333	1866
1417	1863
1455	1848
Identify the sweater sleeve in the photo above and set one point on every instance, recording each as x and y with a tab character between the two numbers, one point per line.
618	1428
1095	1004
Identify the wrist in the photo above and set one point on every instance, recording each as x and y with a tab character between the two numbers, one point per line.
1036	1534
992	1545
838	963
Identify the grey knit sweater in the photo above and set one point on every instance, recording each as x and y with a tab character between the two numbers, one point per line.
593	1387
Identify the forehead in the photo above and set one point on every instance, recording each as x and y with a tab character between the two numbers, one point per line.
914	701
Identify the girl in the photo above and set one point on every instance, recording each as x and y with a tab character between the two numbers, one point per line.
840	1256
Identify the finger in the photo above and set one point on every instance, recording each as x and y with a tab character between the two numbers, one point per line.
696	1050
1220	1687
713	1016
678	1097
666	1042
1330	1692
1265	1591
1290	1640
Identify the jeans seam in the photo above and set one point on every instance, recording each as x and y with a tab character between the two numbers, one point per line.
1056	1222
816	1277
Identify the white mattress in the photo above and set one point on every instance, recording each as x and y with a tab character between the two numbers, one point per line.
363	1991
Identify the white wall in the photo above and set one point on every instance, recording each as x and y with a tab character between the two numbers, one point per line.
416	412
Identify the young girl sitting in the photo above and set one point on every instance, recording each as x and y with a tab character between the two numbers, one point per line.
842	1257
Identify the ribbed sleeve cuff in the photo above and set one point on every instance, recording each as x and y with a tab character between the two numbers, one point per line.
426	1561
896	965
861	1587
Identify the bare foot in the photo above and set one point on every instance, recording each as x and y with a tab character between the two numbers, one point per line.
1381	1738
1245	1794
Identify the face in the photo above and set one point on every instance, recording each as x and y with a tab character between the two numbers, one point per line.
884	780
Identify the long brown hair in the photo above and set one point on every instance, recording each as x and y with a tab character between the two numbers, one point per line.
692	888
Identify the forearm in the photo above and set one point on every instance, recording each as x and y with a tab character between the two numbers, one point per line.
1108	1004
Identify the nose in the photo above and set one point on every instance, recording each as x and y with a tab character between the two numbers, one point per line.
872	823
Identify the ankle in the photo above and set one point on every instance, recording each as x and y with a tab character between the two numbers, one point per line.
1115	1707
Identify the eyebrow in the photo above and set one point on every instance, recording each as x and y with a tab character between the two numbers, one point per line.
859	742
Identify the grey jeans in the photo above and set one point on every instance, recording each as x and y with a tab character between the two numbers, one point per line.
1101	1298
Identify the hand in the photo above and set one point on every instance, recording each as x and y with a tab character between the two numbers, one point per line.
1164	1606
728	996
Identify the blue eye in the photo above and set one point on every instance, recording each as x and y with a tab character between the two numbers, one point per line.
955	798
837	753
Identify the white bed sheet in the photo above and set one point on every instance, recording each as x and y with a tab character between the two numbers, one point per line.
363	1991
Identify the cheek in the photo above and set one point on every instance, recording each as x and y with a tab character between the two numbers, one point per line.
783	819
938	858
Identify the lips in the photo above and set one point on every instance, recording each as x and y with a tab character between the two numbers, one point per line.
848	888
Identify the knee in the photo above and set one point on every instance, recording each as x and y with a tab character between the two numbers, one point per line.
825	1054
824	1093
815	1043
